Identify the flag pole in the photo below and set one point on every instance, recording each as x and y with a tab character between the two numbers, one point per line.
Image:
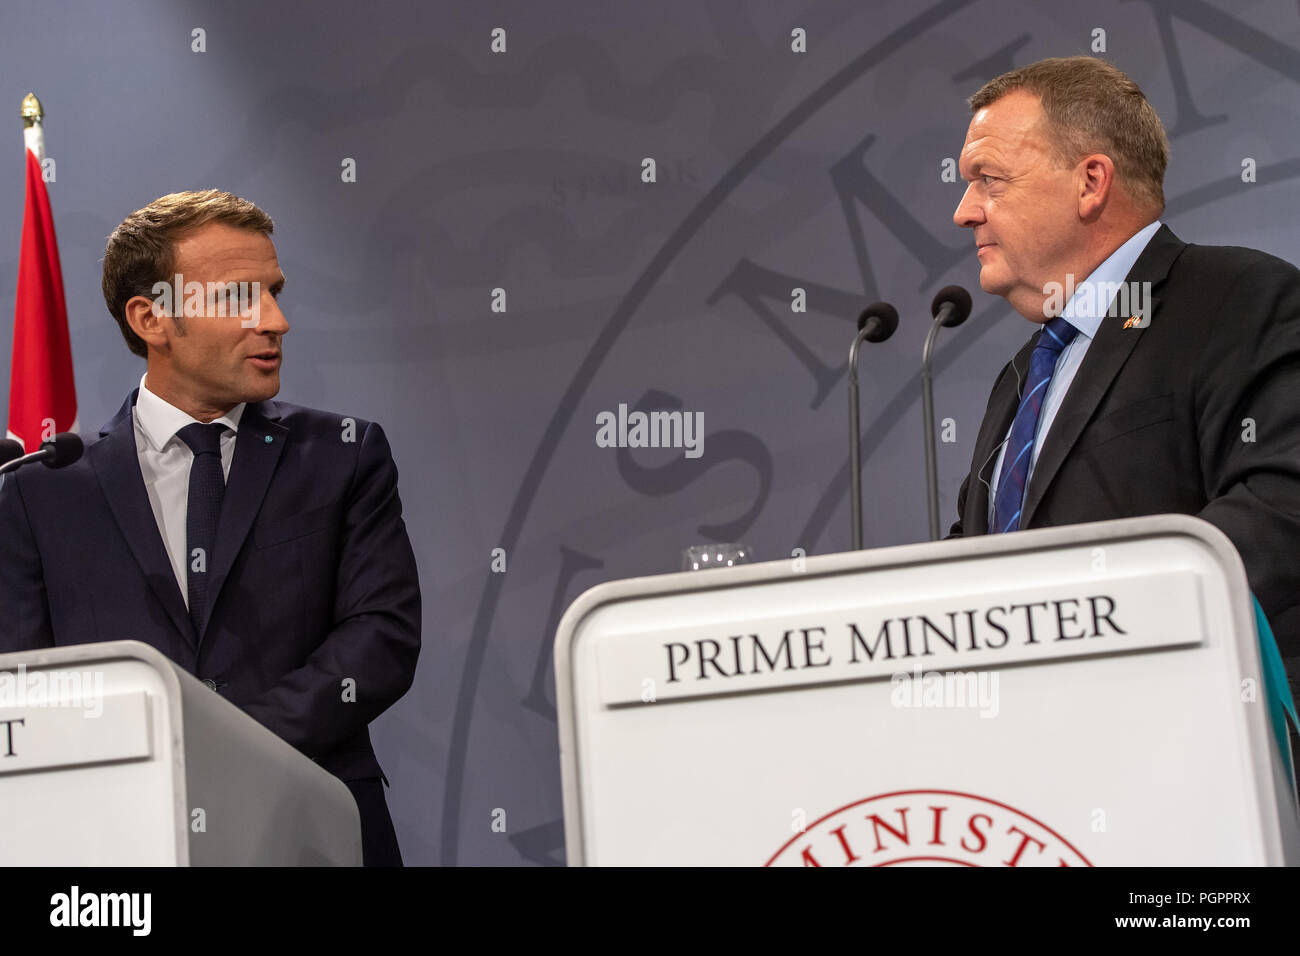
33	114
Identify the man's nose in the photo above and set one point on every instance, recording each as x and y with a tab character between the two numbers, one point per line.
272	320
968	213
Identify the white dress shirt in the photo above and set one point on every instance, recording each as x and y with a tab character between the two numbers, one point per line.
1114	270
165	466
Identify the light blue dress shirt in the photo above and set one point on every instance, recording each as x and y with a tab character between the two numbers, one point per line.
1084	311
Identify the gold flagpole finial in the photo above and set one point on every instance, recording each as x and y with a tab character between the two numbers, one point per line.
33	112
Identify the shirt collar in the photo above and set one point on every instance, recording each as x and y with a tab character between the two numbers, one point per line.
1085	311
160	420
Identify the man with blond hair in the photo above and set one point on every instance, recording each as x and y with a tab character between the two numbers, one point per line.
259	545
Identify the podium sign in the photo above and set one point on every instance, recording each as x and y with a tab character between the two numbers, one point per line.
111	755
1082	695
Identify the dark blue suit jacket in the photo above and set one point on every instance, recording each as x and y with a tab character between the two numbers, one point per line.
313	577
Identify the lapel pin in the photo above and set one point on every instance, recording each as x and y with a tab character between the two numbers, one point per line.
1138	321
269	439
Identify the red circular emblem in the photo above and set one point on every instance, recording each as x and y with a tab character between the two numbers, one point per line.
928	828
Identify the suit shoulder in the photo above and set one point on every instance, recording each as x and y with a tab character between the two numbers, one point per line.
315	422
1221	265
1258	291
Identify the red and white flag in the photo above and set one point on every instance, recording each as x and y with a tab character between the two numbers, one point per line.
42	394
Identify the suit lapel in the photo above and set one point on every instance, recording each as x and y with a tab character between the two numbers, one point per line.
258	446
1106	355
117	468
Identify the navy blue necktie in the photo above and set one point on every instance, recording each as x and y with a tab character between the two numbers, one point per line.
207	487
1014	475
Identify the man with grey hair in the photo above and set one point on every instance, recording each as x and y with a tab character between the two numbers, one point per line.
1163	376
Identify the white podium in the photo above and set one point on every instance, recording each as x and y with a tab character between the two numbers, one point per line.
1082	695
111	755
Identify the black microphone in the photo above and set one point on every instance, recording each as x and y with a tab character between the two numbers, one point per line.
954	303
9	450
64	448
59	452
950	308
876	323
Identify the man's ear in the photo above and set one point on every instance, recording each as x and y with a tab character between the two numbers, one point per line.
152	325
1096	179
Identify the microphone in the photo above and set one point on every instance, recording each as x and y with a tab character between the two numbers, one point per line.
950	308
9	450
876	323
59	452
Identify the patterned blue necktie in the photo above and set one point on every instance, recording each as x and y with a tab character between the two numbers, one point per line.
1015	460
207	488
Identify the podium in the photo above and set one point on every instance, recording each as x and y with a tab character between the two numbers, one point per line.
111	755
1087	695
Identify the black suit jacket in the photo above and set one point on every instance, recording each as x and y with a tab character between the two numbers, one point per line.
1154	420
313	579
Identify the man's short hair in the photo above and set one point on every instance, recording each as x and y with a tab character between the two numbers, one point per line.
142	250
1091	106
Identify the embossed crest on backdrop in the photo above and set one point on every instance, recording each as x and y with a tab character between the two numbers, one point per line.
747	290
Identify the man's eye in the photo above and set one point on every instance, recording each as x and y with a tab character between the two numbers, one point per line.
987	179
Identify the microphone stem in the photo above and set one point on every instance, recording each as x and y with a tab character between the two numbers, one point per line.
39	455
927	416
855	454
